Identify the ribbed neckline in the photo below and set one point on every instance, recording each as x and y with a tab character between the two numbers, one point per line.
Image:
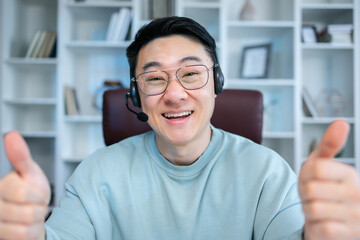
189	170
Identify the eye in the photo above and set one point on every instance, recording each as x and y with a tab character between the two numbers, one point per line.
190	74
152	79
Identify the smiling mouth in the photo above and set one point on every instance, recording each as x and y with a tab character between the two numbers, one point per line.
176	116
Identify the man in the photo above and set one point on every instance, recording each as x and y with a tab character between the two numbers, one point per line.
185	179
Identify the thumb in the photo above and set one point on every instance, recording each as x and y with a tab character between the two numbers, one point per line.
20	158
333	140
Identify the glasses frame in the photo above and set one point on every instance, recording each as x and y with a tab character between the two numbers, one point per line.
135	79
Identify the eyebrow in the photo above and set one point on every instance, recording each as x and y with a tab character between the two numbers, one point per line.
183	60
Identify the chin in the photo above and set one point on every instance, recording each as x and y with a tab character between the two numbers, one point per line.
179	137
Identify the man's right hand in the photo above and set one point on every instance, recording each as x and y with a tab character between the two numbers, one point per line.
24	194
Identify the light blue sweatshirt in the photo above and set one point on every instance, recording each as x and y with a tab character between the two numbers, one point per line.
236	190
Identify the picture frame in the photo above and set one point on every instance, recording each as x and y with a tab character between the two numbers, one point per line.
255	61
309	34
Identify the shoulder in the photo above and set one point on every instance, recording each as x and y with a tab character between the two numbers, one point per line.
249	155
115	158
243	146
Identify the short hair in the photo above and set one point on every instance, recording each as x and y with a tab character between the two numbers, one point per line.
167	26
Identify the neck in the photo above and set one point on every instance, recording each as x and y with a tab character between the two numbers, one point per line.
184	154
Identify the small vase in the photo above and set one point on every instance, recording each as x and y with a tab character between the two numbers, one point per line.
248	11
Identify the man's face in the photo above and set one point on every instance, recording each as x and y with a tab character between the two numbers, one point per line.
195	107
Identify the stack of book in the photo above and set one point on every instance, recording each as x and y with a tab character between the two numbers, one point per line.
119	25
340	33
42	45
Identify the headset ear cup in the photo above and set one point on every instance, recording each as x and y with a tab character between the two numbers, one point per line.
218	80
134	95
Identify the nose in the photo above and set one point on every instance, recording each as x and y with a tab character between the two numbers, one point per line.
175	91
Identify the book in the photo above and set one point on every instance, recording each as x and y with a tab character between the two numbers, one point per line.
33	43
39	44
53	50
340	28
340	33
341	38
122	24
44	44
308	104
51	44
71	102
125	26
111	26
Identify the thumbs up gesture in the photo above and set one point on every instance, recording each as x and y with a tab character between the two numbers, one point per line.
329	190
24	194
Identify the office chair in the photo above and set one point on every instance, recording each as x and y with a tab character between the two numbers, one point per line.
236	111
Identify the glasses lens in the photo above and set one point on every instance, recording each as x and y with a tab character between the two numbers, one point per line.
152	83
193	77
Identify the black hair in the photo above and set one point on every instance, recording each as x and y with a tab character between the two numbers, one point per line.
167	26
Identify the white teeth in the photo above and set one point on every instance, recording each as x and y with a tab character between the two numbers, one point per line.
168	115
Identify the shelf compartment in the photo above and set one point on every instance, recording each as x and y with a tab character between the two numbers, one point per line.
29	118
29	81
89	23
96	67
282	50
270	10
320	18
315	132
31	16
208	17
283	146
325	71
278	102
43	152
81	139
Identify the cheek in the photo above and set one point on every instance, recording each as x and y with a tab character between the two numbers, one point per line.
148	103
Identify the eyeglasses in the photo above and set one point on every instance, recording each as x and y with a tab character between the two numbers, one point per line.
190	77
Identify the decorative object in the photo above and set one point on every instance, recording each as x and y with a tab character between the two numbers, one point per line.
248	12
255	61
107	85
309	34
330	103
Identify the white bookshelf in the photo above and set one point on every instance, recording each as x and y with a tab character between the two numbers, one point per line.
29	100
330	69
32	90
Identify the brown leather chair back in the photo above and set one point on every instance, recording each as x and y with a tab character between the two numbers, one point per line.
236	111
